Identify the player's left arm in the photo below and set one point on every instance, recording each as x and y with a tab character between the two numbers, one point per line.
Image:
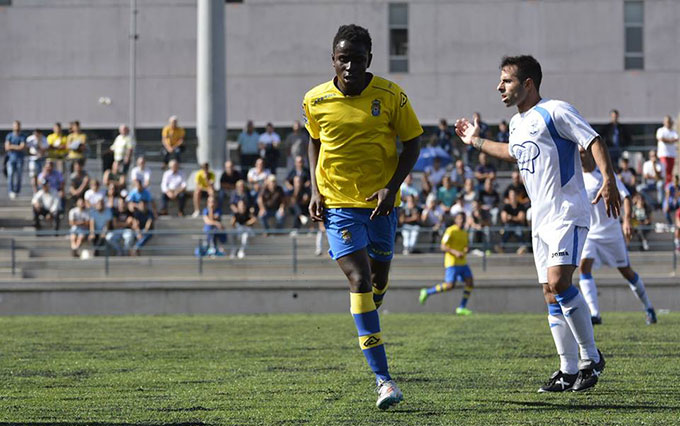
608	191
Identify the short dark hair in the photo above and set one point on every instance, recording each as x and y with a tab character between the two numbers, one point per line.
355	34
527	67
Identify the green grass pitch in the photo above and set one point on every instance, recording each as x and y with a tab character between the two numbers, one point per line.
307	369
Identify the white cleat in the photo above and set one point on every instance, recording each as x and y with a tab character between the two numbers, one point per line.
389	394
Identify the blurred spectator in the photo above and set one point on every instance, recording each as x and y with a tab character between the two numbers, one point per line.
514	220
173	186
94	194
432	216
272	203
478	223
627	175
15	144
46	204
641	220
56	181
213	228
671	201
228	180
173	141
299	203
79	181
469	195
459	206
36	145
248	145
76	142
653	173
268	146
79	220
205	187
143	222
242	221
447	193
57	146
616	135
409	220
517	186
115	176
123	147
676	234
121	236
445	137
100	223
503	134
489	199
434	174
484	170
407	188
114	202
141	173
667	140
461	173
138	196
241	193
296	145
299	170
257	176
483	127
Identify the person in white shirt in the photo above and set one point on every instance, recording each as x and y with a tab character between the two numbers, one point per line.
544	136
123	147
268	145
36	144
667	147
79	219
173	186
94	194
141	173
257	176
46	204
653	172
606	244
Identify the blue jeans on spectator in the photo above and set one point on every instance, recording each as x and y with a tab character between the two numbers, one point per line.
146	236
647	190
121	240
273	213
213	235
15	167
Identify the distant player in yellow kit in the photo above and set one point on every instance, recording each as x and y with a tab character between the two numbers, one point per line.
455	247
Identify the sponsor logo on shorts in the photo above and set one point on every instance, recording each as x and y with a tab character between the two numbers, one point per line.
559	254
346	236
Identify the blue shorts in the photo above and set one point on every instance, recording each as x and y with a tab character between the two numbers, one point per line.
457	273
350	229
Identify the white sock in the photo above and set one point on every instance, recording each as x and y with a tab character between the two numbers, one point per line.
566	345
319	240
638	287
589	290
577	315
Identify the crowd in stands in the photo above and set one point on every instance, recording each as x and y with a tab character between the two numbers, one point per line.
119	209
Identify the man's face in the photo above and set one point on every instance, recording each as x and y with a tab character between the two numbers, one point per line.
228	166
482	159
175	166
48	167
298	162
250	127
667	122
515	178
56	129
350	61
296	126
16	127
141	162
511	89
614	116
124	130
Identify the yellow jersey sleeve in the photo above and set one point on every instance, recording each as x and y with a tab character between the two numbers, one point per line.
311	124
404	120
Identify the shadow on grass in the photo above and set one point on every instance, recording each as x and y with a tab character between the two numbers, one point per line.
102	424
568	406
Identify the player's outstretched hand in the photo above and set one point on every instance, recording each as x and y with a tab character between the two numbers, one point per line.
466	131
612	201
385	205
627	230
316	208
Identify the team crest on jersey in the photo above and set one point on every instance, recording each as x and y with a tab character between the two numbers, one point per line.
346	236
375	108
526	154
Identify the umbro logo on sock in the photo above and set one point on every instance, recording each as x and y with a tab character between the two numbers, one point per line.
371	341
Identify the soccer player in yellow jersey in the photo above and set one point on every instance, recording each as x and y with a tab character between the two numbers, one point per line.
354	121
455	247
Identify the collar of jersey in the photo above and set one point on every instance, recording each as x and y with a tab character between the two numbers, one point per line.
335	88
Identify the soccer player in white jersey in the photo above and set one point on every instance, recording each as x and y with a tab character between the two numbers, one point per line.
544	136
606	244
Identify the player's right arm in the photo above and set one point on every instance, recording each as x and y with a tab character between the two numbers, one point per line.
469	134
316	205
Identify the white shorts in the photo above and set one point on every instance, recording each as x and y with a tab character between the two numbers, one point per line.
608	251
563	246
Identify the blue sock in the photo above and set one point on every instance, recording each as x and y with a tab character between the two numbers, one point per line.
367	322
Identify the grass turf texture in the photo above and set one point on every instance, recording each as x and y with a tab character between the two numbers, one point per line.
307	369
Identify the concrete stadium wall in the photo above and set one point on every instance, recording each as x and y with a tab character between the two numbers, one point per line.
59	57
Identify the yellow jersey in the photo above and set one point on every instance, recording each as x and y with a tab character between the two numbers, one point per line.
457	239
57	146
201	181
358	137
76	144
173	134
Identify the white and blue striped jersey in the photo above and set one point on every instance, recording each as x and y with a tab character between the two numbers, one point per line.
602	226
545	140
